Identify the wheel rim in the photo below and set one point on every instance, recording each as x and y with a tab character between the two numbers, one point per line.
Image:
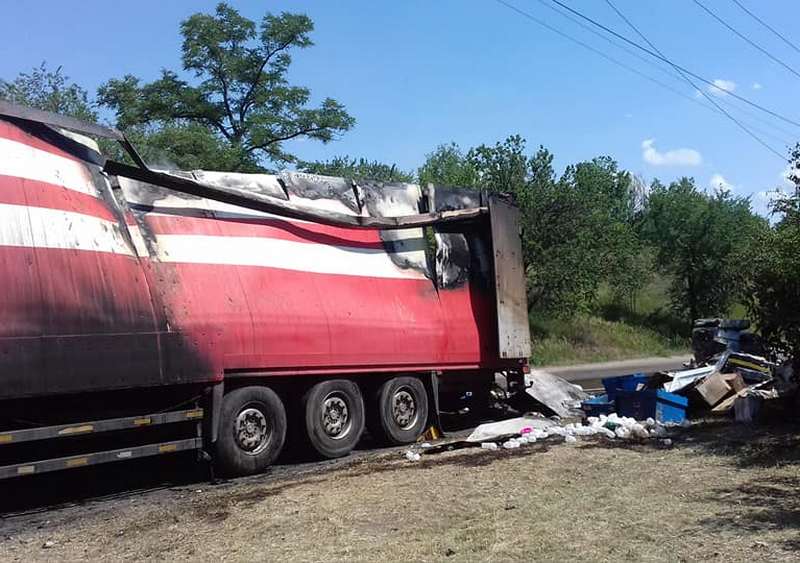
251	430
336	419
404	408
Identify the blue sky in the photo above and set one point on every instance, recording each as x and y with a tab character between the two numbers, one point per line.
418	73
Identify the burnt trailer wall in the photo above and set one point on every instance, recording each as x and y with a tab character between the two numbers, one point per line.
112	283
76	308
299	297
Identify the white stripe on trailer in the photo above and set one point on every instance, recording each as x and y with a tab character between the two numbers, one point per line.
281	254
40	227
24	161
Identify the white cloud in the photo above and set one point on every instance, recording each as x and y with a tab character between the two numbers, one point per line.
757	86
718	183
673	157
721	87
628	115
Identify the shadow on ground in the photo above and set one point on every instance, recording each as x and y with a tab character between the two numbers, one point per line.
770	502
40	493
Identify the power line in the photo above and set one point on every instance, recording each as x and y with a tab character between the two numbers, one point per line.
615	61
741	125
678	76
608	39
594	50
769	27
783	140
747	39
664	59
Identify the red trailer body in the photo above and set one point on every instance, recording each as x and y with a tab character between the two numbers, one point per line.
111	284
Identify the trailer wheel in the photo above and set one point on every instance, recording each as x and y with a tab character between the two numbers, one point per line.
399	411
252	430
334	417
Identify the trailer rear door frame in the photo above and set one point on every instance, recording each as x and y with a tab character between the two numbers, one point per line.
514	337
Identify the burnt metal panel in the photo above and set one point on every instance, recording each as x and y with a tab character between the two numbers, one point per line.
405	247
259	202
514	337
310	189
36	115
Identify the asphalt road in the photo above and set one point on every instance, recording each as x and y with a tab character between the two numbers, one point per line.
588	376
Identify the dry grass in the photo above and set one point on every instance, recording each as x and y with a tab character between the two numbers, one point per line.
723	492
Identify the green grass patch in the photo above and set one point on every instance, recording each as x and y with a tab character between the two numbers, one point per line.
592	339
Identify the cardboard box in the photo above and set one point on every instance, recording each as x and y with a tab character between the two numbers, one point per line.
735	381
717	386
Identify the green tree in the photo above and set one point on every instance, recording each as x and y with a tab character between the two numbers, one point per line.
698	240
240	110
49	91
447	165
578	231
502	168
773	275
361	168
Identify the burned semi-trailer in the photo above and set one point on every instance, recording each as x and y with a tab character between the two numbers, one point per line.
144	312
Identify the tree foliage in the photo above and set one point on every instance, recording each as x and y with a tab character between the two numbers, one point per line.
773	280
698	239
240	109
447	165
578	230
361	168
49	90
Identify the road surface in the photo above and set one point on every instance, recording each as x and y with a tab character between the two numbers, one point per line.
588	376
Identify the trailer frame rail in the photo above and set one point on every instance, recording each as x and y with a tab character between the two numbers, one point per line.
96	458
97	426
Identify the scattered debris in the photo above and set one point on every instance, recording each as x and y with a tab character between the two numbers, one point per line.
718	386
652	403
682	379
727	374
557	394
638	407
522	425
746	408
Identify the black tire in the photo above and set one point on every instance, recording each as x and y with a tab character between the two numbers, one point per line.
333	435
384	426
238	452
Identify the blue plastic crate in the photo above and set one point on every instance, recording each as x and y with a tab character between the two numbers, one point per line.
652	403
598	405
623	382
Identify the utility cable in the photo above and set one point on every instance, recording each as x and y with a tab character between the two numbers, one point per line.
705	94
769	27
610	40
619	63
677	76
746	39
594	50
661	58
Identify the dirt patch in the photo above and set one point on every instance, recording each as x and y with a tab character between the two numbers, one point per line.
722	492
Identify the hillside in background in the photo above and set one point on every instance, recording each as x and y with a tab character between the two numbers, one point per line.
612	331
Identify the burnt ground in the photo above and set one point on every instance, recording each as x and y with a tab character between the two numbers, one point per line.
722	491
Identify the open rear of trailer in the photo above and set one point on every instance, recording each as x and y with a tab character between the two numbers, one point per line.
146	312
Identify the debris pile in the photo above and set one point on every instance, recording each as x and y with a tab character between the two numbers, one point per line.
731	372
725	376
532	428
